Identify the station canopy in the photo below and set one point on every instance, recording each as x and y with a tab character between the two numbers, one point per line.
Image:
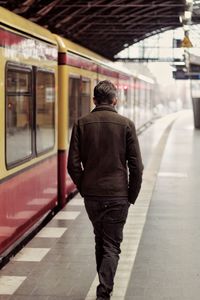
104	26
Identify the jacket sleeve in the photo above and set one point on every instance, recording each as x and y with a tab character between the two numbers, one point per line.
74	161
135	164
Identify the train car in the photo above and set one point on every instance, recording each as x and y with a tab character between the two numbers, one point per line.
28	126
47	83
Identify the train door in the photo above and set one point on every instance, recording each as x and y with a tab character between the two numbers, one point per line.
84	105
74	100
79	98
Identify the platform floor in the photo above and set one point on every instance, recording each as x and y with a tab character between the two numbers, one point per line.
160	251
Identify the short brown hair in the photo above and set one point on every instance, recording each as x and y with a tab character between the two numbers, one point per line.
104	92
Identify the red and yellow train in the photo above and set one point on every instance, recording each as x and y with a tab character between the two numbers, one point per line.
46	84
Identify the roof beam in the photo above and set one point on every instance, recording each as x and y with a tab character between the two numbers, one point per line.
23	7
152	15
89	5
46	9
89	18
131	23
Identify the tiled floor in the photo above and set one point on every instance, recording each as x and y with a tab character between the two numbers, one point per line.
76	202
9	284
51	232
31	254
67	215
167	265
160	251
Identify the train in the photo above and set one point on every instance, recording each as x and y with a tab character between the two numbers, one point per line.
47	83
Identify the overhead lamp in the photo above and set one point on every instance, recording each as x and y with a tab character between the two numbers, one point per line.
179	63
187	15
186	27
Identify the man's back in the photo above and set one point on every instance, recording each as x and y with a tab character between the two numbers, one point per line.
107	141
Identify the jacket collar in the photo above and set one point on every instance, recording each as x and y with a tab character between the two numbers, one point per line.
104	107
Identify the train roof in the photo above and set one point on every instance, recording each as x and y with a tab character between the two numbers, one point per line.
67	45
14	22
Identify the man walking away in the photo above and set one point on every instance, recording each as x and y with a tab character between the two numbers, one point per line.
103	145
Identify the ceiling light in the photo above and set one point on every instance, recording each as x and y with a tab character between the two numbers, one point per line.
179	63
188	14
189	1
186	27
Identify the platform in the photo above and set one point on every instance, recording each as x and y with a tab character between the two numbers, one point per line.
160	251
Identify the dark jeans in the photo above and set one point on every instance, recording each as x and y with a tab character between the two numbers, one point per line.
108	216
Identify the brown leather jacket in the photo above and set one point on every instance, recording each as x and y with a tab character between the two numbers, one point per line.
102	144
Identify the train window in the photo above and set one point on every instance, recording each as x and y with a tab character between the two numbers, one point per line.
84	107
79	98
74	99
122	102
18	82
18	115
137	102
45	111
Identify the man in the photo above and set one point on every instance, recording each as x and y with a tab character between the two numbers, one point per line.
102	144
